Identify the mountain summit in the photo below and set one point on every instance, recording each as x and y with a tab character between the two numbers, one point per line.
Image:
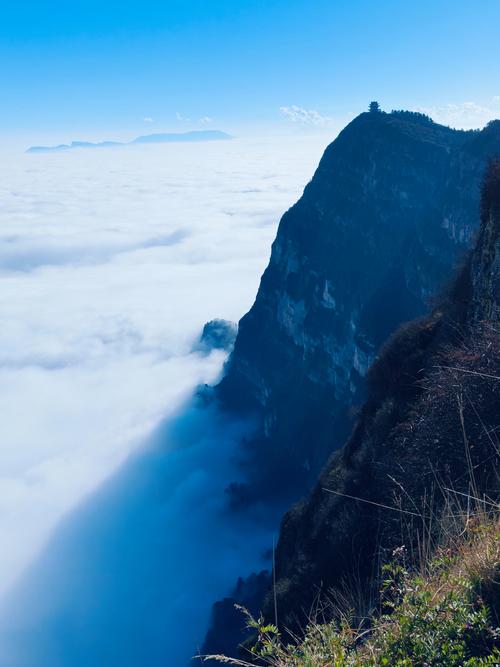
391	209
390	213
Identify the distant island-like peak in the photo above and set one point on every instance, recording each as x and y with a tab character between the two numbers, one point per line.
169	137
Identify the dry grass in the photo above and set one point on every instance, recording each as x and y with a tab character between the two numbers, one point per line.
430	601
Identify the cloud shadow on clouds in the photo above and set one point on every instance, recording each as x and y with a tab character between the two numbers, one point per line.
110	264
17	255
129	577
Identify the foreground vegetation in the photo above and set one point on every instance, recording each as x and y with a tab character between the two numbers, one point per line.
444	615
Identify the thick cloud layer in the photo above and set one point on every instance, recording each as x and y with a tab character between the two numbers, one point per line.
110	263
129	577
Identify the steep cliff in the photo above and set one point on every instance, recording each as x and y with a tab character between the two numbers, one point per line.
431	423
389	211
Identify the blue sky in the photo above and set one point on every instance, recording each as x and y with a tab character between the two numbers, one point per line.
104	67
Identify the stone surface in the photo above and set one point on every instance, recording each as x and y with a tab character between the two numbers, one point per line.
430	424
217	335
388	214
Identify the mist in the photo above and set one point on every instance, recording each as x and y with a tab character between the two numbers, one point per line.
114	537
130	576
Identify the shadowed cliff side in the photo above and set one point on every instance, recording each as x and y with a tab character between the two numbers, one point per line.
431	423
392	206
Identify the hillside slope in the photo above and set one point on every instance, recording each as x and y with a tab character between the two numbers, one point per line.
431	423
445	614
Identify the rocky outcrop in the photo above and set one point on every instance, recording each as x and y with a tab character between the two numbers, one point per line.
390	210
227	629
216	335
485	269
429	431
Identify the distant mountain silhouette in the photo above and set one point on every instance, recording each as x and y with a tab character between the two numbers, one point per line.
169	137
196	135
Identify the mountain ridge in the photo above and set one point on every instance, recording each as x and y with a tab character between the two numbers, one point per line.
166	137
389	212
430	423
443	226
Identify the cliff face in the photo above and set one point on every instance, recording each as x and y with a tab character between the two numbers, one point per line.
431	423
392	206
485	269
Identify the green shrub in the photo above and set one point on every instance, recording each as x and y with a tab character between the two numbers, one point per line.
439	619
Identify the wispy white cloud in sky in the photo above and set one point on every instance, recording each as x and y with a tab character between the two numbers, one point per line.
203	120
305	116
181	118
148	119
464	115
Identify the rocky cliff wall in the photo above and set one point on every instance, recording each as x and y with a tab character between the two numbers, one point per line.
390	210
431	423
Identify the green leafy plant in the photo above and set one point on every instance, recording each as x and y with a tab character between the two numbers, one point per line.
437	619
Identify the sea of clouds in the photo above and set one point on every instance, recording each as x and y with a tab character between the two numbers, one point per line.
114	535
